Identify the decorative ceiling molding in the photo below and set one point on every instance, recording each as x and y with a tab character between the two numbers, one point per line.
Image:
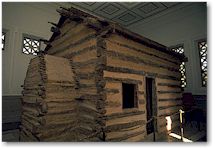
125	13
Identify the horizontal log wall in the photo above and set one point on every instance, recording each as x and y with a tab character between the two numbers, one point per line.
78	39
131	62
49	110
79	44
169	96
124	124
123	62
124	42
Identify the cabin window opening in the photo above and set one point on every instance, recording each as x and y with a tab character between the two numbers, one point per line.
31	45
129	95
180	49
202	46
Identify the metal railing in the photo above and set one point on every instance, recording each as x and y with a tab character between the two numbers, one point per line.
182	121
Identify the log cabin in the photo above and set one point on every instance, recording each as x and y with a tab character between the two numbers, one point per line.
97	81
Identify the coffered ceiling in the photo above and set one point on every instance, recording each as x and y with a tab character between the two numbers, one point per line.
125	13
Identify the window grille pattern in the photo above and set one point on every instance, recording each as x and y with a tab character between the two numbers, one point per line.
203	61
183	76
3	40
180	50
30	46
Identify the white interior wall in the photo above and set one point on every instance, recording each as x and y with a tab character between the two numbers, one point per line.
184	26
19	19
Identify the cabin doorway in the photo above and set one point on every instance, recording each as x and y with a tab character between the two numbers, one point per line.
151	104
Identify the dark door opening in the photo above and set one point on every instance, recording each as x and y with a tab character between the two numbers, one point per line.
150	103
129	95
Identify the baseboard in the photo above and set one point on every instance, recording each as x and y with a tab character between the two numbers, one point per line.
10	126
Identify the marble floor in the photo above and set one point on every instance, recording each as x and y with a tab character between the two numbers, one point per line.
191	133
10	136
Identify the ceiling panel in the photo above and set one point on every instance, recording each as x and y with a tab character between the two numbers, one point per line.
90	6
110	10
170	4
147	9
129	5
127	18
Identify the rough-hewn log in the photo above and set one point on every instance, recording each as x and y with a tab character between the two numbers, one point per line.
113	104
31	126
124	114
133	71
169	95
169	85
140	54
139	60
123	80
88	37
32	100
119	127
164	92
142	101
93	23
113	91
40	119
28	135
49	132
116	62
79	52
169	106
174	112
141	92
89	110
143	51
170	99
94	62
126	136
69	29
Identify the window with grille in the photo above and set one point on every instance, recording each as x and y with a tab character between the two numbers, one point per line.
202	46
31	45
3	40
180	49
